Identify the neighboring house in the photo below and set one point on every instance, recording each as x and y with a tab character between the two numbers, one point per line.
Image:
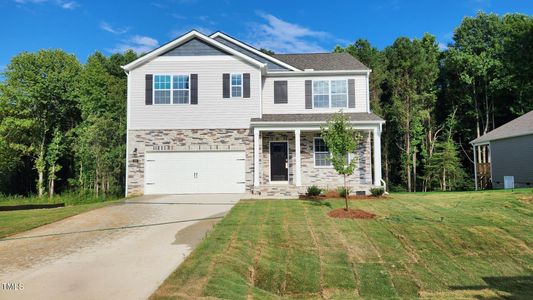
211	114
504	156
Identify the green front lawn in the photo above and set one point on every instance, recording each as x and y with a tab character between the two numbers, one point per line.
435	245
12	222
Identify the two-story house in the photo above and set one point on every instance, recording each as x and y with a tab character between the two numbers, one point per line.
211	114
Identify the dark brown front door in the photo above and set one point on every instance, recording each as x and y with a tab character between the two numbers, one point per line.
279	170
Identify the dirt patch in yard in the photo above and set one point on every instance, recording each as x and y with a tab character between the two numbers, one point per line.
528	199
341	213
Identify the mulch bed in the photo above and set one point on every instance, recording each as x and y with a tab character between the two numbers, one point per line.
341	213
351	197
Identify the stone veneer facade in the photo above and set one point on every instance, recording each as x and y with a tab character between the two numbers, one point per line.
324	177
242	139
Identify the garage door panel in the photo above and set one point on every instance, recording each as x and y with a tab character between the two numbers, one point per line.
194	172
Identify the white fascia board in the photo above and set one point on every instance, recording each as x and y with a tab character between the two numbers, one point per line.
193	34
317	73
253	50
314	123
500	138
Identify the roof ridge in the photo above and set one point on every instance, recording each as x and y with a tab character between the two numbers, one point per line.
307	53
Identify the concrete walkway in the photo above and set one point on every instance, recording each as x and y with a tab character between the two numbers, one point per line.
123	251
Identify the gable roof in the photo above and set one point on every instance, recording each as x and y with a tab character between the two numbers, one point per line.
522	125
323	61
252	50
183	39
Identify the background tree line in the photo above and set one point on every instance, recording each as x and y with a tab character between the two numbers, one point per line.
63	124
435	102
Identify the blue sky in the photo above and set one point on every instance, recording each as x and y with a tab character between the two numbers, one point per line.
82	27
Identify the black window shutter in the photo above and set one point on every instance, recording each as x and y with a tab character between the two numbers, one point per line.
308	94
246	85
225	85
280	92
351	93
194	88
149	81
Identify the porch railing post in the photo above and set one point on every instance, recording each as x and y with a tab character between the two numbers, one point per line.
298	171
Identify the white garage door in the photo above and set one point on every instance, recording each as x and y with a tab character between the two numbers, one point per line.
194	172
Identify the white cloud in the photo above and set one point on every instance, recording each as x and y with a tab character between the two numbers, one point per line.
442	47
284	37
69	5
115	30
137	43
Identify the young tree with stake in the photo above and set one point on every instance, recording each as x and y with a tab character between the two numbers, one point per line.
342	140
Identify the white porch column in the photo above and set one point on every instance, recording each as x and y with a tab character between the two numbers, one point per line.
377	156
298	171
256	156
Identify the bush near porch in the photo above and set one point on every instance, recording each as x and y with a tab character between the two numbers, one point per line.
432	245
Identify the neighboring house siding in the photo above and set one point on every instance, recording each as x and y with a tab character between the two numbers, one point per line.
296	95
512	157
271	66
194	47
212	111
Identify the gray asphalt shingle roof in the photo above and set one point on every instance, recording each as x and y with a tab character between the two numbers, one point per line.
322	61
522	125
363	116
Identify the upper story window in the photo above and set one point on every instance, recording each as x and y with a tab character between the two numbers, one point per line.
330	93
171	89
236	85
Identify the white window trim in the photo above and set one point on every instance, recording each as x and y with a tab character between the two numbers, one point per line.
330	94
314	155
231	85
171	89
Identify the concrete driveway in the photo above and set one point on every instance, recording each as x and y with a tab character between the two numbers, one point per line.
123	251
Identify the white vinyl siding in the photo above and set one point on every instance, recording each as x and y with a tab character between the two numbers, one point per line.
211	111
296	95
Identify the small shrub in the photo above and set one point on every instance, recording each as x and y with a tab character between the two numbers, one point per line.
377	191
344	191
313	190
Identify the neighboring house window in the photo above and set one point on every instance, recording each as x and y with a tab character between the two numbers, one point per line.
236	85
171	89
321	153
330	93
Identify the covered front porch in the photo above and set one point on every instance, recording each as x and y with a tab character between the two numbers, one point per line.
290	155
